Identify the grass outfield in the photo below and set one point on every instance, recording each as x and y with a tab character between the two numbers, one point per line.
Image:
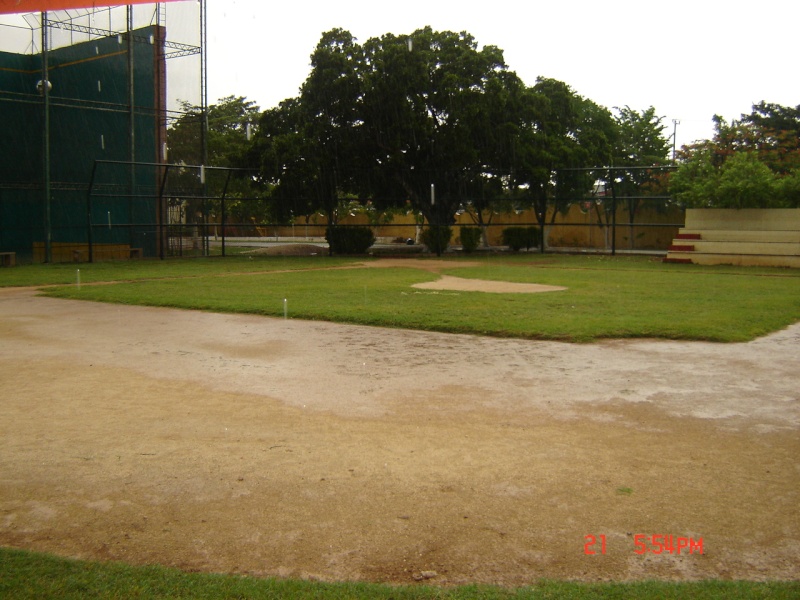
621	297
27	575
134	270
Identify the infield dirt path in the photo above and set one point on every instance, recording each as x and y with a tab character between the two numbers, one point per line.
266	446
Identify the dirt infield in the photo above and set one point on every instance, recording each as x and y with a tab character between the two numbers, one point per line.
279	447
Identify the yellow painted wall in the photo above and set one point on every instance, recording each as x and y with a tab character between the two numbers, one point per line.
576	229
744	219
64	252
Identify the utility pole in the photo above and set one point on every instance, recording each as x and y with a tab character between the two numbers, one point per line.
45	91
675	123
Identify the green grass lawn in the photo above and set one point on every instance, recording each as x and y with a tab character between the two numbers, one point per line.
622	297
133	270
27	575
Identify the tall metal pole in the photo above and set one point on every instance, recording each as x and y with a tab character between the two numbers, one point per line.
675	123
89	238
204	78
162	203
132	122
224	218
48	228
204	111
433	203
613	217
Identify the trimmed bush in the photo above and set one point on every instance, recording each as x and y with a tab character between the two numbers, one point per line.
517	238
436	238
350	239
470	238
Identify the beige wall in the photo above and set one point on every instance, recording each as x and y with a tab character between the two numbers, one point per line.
745	219
575	229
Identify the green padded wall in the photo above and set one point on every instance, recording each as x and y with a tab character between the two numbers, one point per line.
90	120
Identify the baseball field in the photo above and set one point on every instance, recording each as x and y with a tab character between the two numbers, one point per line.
475	421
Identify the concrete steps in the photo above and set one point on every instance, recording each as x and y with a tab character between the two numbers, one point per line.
743	235
738	237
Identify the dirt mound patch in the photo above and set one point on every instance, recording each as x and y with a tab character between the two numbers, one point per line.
458	284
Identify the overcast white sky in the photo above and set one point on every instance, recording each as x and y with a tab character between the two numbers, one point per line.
688	59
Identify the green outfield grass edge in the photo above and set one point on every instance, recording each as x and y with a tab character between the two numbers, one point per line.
28	575
606	298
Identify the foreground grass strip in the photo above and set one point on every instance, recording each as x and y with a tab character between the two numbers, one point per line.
135	270
628	298
27	575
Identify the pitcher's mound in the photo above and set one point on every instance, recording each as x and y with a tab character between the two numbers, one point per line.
446	282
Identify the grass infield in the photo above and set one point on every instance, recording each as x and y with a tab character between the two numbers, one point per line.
621	297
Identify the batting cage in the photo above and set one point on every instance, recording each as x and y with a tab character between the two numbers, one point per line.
79	86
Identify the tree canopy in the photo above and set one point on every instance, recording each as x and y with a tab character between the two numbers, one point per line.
230	124
431	122
753	162
439	115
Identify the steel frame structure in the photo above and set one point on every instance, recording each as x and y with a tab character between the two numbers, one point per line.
69	20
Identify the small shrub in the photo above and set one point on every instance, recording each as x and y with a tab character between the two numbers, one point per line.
470	238
517	238
351	239
436	238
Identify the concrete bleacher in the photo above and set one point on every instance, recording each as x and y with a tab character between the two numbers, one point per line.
747	237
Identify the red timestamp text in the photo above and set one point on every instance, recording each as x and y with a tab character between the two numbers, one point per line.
644	544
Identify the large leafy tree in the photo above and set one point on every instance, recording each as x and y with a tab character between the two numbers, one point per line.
307	146
641	144
230	123
778	131
280	151
753	162
741	180
553	145
426	121
430	122
440	116
568	134
641	140
506	131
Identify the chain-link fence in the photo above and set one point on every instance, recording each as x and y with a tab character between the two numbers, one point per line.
153	210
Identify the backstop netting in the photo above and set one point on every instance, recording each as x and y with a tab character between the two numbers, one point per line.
78	86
